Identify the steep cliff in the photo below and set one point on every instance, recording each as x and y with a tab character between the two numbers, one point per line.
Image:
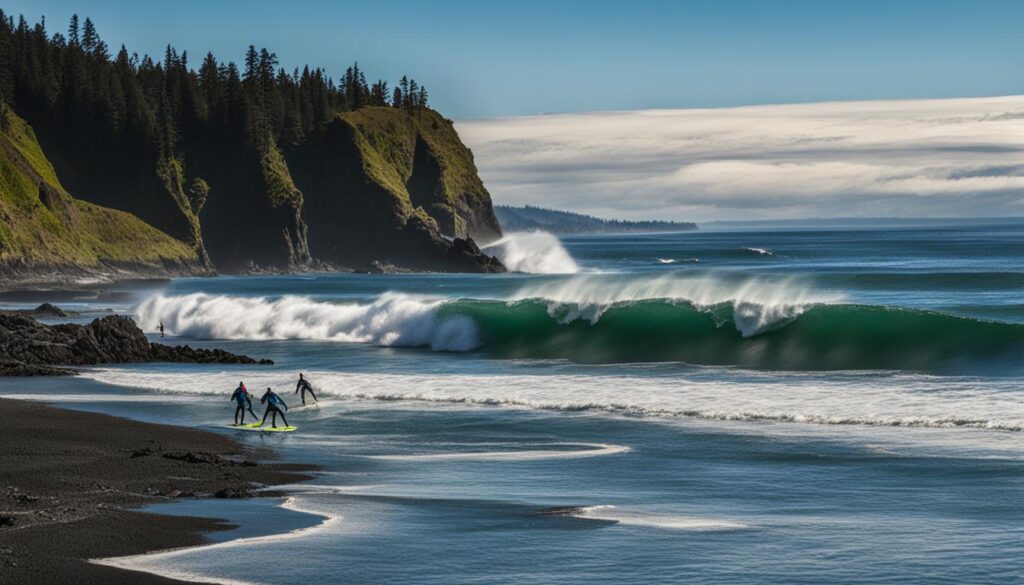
43	230
377	185
381	184
253	167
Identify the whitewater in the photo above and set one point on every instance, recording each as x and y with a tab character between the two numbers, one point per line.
783	406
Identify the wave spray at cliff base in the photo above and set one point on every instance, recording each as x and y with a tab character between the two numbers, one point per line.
534	253
775	325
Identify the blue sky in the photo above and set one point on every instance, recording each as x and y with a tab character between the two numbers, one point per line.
486	59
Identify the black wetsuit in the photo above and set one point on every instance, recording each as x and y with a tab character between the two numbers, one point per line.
304	386
273	400
248	403
242	401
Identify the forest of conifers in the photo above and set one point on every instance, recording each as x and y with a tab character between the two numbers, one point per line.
72	81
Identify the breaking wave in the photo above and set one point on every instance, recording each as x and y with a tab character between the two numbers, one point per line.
777	325
391	319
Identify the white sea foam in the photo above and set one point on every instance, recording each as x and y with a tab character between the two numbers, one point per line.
578	451
611	513
405	320
533	252
896	400
759	251
392	319
759	303
163	563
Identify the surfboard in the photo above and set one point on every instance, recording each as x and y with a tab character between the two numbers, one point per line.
262	429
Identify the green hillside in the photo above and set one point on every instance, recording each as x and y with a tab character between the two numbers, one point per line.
42	226
420	159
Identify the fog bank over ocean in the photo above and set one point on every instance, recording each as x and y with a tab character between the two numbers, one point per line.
906	158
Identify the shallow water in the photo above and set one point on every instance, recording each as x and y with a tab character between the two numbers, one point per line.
836	406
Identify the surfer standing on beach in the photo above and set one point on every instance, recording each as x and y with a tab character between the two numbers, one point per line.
305	386
243	401
274	404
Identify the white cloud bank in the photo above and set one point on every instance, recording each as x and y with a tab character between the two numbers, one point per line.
910	158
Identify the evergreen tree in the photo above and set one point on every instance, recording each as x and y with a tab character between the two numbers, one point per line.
73	31
139	107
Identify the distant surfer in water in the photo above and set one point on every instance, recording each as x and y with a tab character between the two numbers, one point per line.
305	386
274	404
243	401
161	329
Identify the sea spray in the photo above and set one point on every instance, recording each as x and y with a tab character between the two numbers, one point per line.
760	303
392	319
534	253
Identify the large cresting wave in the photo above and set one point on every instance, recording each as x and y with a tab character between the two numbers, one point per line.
590	319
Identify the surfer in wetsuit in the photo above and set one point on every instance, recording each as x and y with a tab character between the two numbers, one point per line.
249	399
243	401
274	404
161	329
305	386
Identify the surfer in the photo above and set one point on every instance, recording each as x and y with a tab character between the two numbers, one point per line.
274	404
305	386
249	399
161	329
243	401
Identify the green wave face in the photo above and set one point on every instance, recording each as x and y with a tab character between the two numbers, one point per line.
821	337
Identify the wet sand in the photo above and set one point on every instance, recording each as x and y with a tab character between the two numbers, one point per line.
69	483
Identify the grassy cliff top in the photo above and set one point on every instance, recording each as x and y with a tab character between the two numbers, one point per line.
40	223
389	144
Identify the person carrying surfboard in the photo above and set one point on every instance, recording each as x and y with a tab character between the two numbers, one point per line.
305	386
274	404
243	401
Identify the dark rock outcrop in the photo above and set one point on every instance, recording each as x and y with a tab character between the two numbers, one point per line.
43	310
30	348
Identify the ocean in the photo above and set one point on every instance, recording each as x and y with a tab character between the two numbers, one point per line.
739	406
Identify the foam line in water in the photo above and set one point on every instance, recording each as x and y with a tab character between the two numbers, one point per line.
611	513
534	252
583	450
877	401
163	563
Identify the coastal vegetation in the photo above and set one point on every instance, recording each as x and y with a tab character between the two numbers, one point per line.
230	158
566	222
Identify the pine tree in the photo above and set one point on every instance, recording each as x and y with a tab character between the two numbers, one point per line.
73	31
89	37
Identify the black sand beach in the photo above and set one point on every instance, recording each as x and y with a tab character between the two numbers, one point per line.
69	482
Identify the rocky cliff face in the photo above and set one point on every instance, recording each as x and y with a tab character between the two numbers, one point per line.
381	185
44	230
377	185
